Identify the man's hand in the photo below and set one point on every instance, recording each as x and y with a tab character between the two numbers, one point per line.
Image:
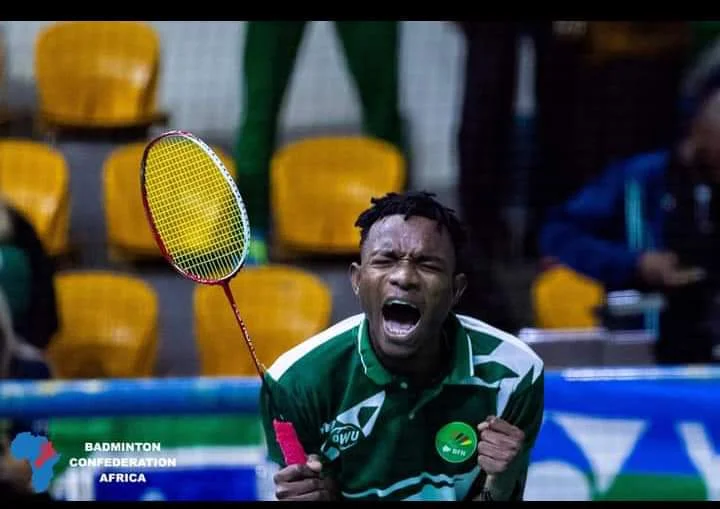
304	482
498	445
661	269
17	472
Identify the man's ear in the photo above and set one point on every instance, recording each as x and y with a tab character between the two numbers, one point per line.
459	286
355	277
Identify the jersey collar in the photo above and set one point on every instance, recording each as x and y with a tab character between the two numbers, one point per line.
462	352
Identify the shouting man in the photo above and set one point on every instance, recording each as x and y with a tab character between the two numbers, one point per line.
408	400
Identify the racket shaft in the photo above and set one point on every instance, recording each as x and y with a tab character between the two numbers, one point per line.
243	329
287	439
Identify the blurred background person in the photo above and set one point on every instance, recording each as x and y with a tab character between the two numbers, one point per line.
650	222
27	276
486	125
485	149
18	361
371	54
625	76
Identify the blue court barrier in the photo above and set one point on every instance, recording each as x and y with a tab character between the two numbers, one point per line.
607	434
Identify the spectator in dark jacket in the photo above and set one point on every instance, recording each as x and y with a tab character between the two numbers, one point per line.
624	75
651	223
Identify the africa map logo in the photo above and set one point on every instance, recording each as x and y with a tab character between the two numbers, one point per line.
41	455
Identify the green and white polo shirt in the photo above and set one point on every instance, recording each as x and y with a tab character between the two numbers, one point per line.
383	439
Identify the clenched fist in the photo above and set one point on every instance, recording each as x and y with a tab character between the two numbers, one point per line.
499	442
304	482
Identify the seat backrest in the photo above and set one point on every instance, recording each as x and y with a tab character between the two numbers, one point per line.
280	305
97	306
564	299
319	186
108	324
97	71
125	215
105	305
34	178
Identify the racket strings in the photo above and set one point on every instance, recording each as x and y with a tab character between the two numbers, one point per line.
206	187
196	212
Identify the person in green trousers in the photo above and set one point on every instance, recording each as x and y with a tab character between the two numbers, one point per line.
371	54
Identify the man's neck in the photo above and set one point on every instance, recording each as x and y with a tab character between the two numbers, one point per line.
424	369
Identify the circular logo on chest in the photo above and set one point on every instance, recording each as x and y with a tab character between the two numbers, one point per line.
456	442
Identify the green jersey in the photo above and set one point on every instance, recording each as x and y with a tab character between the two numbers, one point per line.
381	438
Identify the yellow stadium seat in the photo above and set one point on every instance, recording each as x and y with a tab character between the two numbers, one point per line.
108	326
280	305
128	231
34	179
319	187
564	299
97	74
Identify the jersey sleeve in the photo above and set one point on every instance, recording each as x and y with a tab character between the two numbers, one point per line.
524	410
291	403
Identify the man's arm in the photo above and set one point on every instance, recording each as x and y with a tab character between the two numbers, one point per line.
524	411
580	233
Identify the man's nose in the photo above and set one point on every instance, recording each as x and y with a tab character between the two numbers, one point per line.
404	276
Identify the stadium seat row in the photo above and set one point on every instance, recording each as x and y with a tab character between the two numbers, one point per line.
319	186
110	321
315	213
104	74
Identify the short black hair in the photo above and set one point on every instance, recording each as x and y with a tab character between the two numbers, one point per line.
417	203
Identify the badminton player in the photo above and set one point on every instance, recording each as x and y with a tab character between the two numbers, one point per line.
408	400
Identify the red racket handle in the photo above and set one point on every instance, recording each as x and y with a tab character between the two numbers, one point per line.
289	443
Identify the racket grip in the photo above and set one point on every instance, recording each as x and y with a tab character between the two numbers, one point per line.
289	443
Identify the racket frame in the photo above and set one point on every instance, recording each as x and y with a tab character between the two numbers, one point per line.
231	184
285	431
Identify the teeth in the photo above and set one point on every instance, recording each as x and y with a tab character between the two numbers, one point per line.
402	302
397	329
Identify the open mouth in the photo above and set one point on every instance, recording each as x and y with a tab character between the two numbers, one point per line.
400	317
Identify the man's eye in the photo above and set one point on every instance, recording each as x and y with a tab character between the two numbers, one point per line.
382	261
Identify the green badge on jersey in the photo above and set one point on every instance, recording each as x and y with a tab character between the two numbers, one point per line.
456	442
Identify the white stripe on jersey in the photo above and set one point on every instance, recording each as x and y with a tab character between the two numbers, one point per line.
286	360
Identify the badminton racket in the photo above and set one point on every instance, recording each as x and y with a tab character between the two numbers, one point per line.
200	224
